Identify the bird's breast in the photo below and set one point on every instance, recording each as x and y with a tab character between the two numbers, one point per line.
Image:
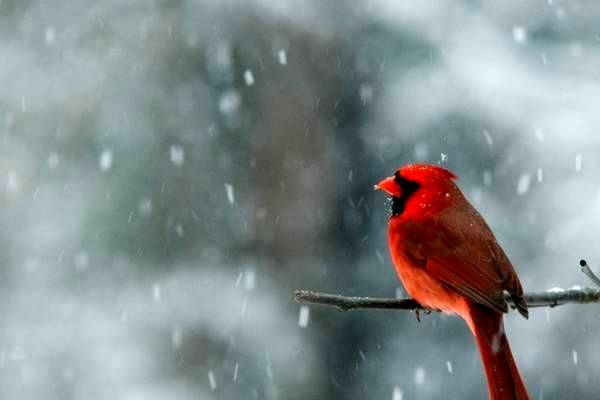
420	284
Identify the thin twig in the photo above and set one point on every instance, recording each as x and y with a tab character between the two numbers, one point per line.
585	268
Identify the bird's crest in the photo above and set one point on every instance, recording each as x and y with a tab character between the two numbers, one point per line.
414	170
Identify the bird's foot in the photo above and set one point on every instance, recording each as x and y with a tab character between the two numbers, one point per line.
418	313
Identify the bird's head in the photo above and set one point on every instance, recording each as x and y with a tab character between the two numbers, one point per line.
430	181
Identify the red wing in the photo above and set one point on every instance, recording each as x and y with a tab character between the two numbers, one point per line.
459	249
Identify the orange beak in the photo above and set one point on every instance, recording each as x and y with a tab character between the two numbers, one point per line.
389	186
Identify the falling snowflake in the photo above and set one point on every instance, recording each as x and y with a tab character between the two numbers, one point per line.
249	77
304	316
488	138
53	160
179	230
366	93
523	184
211	380
176	337
12	182
397	394
539	134
49	35
249	280
145	207
156	292
229	102
177	155
420	375
519	34
81	261
269	369
235	371
229	192
487	178
106	160
578	162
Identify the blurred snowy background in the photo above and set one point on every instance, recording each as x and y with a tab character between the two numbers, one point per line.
170	171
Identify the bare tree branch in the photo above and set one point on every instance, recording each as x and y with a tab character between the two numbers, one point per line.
551	298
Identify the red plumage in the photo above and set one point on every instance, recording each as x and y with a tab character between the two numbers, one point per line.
448	259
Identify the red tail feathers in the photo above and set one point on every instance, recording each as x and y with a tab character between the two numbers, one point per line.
503	378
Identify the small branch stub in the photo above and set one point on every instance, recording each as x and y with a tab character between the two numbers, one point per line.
585	268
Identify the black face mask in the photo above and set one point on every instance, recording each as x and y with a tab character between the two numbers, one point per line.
408	189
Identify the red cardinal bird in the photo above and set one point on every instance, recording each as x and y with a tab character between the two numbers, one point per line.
448	259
